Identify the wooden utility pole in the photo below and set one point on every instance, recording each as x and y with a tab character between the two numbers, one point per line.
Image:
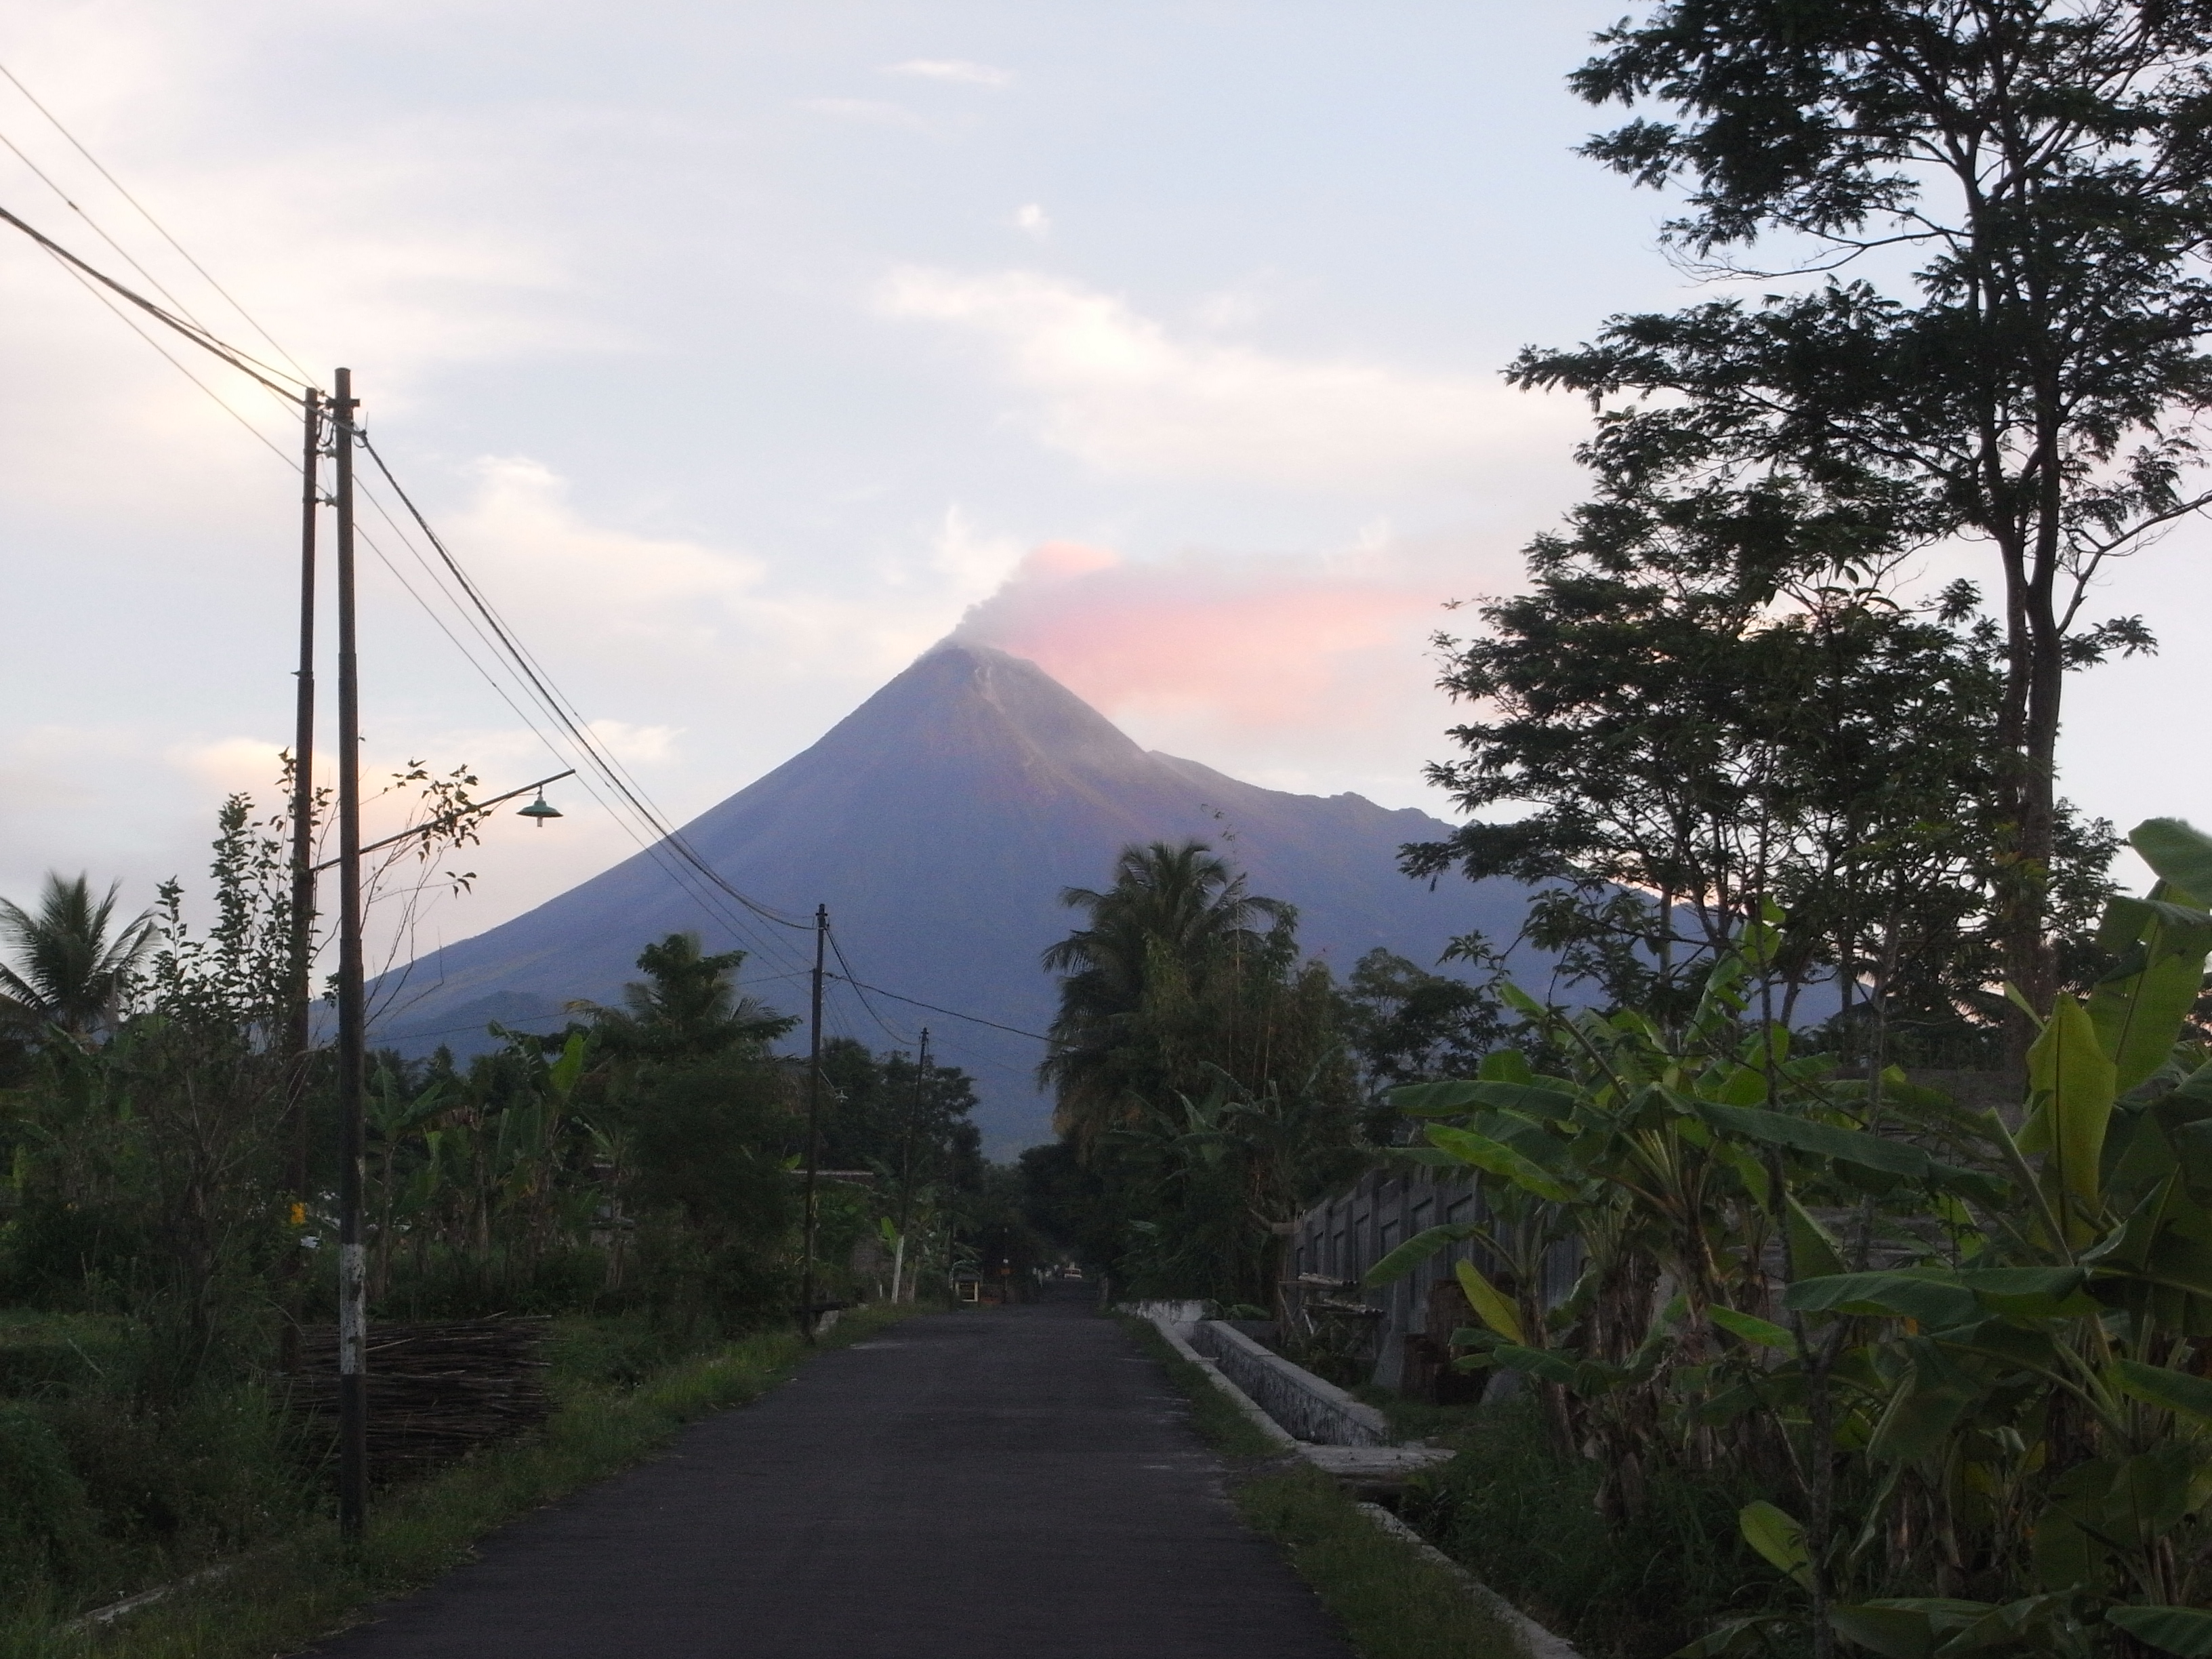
353	1053
906	1161
299	1026
806	1316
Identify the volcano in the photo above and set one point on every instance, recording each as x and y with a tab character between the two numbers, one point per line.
939	822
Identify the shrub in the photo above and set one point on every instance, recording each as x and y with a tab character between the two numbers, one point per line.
47	1531
1525	1519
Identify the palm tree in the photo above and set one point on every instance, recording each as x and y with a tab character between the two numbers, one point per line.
70	970
687	1008
1128	1033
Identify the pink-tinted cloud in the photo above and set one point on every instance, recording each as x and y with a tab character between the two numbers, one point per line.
1260	644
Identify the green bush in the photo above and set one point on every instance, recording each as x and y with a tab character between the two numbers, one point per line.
48	1533
446	1284
1525	1520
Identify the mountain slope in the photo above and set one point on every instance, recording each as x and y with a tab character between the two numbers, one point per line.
939	822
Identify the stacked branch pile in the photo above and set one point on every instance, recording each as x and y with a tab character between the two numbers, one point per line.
435	1391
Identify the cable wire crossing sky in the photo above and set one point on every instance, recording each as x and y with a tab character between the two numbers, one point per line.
738	353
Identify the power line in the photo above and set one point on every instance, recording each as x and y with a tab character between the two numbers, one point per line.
69	202
160	229
246	364
860	991
667	850
525	663
502	638
177	363
973	1019
677	872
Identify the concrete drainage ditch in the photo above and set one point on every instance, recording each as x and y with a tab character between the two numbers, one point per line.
1313	1419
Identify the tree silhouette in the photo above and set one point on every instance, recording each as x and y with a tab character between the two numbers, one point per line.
73	965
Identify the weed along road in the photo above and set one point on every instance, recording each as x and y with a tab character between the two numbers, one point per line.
1000	1484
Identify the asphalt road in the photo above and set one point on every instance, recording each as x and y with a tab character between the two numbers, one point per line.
1004	1484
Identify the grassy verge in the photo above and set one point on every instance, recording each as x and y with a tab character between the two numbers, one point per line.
279	1600
1224	1427
1525	1519
1393	1602
1416	1420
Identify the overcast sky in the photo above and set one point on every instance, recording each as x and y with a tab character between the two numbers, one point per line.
743	349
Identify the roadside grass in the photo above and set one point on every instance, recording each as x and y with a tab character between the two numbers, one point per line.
1224	1427
1416	1420
279	1600
1526	1520
1393	1601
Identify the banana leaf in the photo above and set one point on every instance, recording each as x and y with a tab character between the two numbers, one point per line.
1416	1250
2170	1390
1494	1309
1499	1159
2180	853
1925	1408
1551	1367
1906	1628
1778	1536
2073	1084
1762	1332
2185	1631
1826	1140
1813	1253
2137	1011
1944	1300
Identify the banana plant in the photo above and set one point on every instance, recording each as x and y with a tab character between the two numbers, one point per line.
400	1124
2037	1397
1982	1354
1655	1156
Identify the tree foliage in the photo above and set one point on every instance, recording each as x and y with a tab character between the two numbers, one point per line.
1405	1024
1201	1074
1695	713
1963	1360
73	963
2043	174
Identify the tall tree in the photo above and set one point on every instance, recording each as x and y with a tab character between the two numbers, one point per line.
699	1117
2045	169
686	1007
1201	1072
1703	704
1406	1024
73	961
1141	983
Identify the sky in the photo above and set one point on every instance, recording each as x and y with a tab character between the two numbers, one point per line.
744	350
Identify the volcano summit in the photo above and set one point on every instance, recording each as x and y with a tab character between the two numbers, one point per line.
939	822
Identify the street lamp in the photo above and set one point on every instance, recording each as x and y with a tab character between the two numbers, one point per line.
538	809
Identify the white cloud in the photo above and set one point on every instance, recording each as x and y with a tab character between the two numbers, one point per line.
685	618
228	766
660	589
975	564
1030	219
1118	390
867	111
952	69
637	745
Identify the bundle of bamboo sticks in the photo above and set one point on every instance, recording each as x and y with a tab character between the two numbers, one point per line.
435	1391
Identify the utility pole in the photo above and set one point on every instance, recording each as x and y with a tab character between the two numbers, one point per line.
353	1309
299	1030
813	1127
906	1162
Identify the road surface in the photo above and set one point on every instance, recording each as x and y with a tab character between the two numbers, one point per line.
1002	1484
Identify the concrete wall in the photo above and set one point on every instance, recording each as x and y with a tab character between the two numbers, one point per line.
1342	1237
1302	1403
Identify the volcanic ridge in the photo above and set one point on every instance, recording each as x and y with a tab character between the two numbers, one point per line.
939	822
